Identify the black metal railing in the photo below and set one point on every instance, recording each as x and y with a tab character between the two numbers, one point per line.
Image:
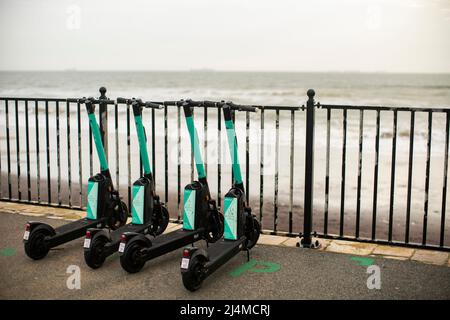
43	162
405	229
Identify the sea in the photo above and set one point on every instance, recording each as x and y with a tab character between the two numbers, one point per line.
281	193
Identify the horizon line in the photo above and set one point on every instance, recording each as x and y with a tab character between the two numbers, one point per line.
210	70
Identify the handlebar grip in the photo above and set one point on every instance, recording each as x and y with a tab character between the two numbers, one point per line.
149	104
246	108
209	104
122	100
173	103
241	107
105	101
92	100
193	103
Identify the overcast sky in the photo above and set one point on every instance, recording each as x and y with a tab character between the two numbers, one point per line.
253	35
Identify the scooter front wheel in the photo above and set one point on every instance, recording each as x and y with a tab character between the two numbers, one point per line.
36	247
130	260
194	275
253	234
215	227
94	255
163	220
119	216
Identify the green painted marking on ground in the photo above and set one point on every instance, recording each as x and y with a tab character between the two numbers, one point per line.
7	252
363	261
256	266
113	257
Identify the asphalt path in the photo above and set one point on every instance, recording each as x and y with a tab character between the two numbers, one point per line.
273	273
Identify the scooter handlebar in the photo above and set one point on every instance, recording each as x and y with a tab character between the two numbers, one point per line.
96	101
193	103
212	104
231	105
149	104
209	104
241	107
123	100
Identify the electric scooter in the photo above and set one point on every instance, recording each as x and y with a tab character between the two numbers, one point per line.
241	230
148	214
104	207
201	217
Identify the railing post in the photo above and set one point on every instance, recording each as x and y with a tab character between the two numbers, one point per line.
104	120
306	241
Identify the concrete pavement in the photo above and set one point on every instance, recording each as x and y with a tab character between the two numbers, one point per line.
275	272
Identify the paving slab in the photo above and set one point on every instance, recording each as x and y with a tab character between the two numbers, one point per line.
362	249
392	257
271	240
290	242
174	226
30	214
432	257
324	243
393	251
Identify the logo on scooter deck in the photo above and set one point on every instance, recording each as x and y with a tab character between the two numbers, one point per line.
92	199
189	210
230	231
137	211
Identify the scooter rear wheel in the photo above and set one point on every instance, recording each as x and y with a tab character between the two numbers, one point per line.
253	234
163	220
193	277
35	247
94	255
129	260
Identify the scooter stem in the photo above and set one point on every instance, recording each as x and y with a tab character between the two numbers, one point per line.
137	112
188	112
97	137
232	143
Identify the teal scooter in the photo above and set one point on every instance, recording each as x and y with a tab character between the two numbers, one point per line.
104	206
201	217
241	228
148	214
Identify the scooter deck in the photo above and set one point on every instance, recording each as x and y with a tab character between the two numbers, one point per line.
171	241
138	228
72	231
82	223
112	246
222	251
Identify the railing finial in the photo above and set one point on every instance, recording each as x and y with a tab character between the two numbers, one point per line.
103	119
102	92
311	93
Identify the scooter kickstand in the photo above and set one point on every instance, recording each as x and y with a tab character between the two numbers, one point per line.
248	254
